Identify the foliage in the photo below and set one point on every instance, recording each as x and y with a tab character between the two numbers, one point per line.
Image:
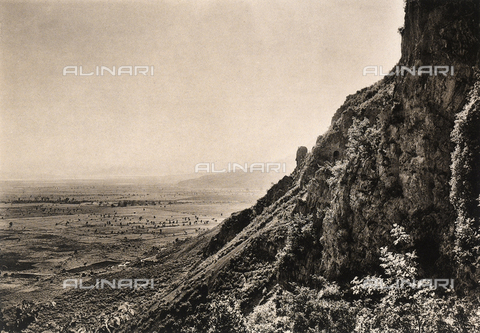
363	141
300	236
225	316
267	318
361	148
303	310
464	172
388	306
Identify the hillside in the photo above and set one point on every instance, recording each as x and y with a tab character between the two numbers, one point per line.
398	165
386	159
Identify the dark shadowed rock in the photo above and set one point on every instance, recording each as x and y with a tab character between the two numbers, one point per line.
301	153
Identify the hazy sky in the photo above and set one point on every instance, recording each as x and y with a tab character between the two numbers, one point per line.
234	80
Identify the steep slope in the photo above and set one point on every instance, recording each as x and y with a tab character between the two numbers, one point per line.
385	160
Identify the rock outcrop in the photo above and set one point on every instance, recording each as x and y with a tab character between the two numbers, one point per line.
386	159
301	153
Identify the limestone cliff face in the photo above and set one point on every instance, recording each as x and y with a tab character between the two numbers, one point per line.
386	159
402	175
387	155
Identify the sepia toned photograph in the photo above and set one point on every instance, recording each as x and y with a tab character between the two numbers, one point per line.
239	166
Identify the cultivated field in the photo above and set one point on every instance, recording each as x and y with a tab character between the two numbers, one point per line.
51	231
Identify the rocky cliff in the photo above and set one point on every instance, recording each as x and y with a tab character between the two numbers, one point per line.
395	145
404	151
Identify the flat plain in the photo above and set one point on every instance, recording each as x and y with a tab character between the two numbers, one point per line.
56	230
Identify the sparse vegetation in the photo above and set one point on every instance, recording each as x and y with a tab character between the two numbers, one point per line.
362	307
464	184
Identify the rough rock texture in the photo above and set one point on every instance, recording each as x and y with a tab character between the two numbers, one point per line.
386	159
403	176
301	153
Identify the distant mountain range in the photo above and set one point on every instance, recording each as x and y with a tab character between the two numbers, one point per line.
245	180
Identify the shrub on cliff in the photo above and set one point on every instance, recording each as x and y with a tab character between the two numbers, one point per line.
465	184
385	305
303	310
225	316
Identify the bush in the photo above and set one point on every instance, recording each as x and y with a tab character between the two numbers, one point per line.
225	316
386	307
